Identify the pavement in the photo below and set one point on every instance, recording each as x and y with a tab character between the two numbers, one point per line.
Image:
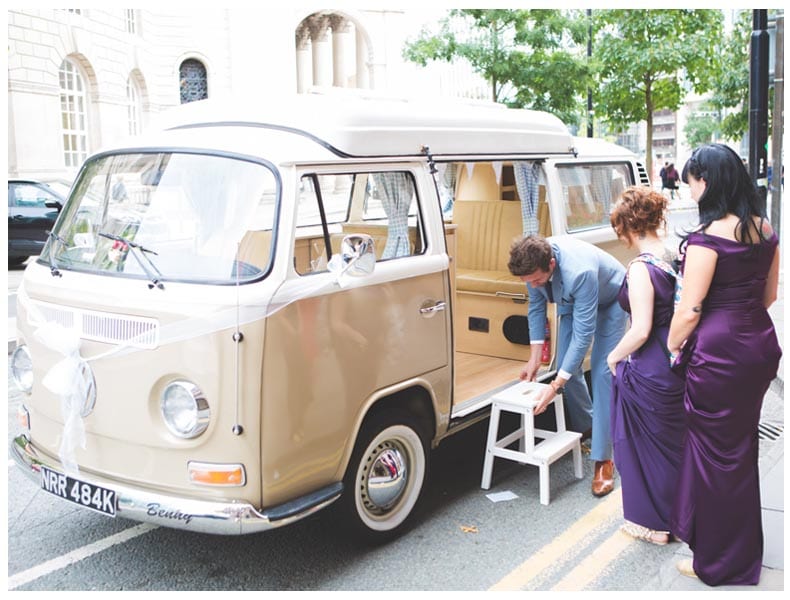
771	463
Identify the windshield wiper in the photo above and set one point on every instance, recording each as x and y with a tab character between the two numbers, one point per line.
140	252
53	266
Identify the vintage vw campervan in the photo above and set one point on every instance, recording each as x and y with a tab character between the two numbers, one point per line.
256	311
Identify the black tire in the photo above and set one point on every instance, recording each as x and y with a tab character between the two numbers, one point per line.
395	448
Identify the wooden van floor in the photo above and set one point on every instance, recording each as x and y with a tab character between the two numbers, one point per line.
476	374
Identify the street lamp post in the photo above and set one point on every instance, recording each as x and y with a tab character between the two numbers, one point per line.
589	90
758	101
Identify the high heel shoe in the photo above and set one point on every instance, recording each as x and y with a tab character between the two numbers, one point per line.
686	567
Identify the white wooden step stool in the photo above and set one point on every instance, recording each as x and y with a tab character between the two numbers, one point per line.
521	398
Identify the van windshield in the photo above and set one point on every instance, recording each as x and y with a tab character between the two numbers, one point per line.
168	217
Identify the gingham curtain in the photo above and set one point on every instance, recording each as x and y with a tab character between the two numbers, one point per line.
395	190
448	175
602	188
527	175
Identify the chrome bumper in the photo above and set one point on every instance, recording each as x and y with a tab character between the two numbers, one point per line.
222	518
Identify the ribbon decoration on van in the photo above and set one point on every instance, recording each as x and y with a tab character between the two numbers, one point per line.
65	378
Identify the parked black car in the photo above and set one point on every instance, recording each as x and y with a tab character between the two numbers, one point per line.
33	207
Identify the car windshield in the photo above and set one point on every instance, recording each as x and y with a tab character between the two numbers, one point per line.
168	217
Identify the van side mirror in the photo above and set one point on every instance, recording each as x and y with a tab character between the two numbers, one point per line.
358	255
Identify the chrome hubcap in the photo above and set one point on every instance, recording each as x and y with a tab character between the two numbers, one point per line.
385	479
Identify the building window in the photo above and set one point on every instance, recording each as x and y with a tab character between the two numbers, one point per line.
193	80
133	107
131	21
76	11
73	110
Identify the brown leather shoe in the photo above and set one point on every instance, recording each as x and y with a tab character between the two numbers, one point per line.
603	479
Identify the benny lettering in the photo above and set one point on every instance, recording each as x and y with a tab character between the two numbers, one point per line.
155	510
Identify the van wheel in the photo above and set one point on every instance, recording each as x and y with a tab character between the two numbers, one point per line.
385	476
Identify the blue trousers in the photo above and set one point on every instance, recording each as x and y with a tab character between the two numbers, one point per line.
583	411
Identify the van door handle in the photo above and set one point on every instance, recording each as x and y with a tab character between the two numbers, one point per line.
517	298
429	309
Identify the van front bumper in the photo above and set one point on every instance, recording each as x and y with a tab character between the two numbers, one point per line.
222	518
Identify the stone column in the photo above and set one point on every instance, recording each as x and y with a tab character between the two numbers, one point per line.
304	67
363	79
322	65
340	41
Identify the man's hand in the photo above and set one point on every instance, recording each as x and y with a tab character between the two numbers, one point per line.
546	397
530	370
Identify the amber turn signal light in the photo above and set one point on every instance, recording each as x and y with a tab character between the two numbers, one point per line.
23	417
216	474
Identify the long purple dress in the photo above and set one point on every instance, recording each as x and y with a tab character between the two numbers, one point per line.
733	355
648	425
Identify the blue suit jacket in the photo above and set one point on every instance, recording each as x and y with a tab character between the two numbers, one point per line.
585	278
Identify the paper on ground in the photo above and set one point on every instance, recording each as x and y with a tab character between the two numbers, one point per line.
501	496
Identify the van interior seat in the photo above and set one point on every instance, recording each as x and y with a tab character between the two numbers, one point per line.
486	231
255	248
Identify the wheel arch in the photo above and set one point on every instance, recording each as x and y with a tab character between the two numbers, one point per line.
414	398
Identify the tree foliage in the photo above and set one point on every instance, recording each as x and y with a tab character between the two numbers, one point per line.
703	126
647	57
731	87
648	60
531	58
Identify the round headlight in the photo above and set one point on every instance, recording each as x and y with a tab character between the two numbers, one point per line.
184	409
22	368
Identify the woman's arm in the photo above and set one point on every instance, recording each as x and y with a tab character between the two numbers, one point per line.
640	294
772	282
698	273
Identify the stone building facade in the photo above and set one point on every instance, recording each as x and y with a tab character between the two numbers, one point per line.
81	79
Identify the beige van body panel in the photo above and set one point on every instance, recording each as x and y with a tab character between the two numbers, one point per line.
324	358
126	439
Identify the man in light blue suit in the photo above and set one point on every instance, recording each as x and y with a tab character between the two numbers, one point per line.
584	282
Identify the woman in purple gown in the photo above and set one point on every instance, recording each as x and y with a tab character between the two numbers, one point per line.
721	332
648	424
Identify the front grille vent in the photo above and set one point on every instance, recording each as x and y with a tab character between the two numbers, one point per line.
644	179
111	328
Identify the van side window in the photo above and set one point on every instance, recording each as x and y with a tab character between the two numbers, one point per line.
589	191
383	205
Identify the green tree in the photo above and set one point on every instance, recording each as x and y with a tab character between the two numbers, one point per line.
731	86
531	58
649	59
703	126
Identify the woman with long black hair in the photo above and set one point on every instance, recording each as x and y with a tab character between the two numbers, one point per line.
722	336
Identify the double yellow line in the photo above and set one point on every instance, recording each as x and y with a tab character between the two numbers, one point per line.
559	551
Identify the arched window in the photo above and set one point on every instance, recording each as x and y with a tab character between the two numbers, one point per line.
331	51
133	107
74	114
194	83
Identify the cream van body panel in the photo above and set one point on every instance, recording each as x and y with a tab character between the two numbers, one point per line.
126	439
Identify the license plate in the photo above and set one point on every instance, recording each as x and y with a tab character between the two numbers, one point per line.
79	492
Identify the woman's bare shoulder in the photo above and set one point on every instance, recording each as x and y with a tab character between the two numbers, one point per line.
767	230
724	227
729	228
